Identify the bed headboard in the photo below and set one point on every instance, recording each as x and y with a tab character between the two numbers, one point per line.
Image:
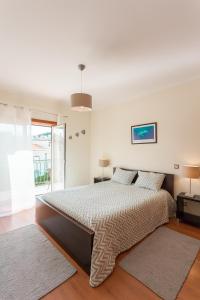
168	183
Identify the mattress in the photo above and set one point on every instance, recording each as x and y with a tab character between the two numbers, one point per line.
120	215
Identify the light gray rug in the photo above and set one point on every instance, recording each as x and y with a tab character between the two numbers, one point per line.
162	261
30	266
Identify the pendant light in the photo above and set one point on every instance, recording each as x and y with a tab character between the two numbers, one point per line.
81	101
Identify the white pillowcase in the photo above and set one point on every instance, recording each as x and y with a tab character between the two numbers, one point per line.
150	180
123	176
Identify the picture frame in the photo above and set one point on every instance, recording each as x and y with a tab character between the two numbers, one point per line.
144	133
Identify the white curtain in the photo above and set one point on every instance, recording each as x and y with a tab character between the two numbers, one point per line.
58	157
16	161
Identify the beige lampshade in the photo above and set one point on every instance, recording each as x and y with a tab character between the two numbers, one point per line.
81	102
103	163
191	171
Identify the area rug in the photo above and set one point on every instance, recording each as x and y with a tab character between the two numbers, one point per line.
162	261
30	266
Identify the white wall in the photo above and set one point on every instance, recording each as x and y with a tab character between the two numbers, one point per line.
77	149
177	112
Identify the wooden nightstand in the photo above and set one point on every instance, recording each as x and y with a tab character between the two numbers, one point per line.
100	179
188	209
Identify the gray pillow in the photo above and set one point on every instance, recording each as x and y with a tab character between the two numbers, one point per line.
150	180
123	176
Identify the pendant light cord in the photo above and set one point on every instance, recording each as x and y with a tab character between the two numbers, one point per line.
81	82
81	67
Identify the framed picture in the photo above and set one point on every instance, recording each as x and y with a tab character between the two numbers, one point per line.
144	133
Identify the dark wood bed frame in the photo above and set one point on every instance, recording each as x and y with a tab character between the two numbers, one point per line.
75	238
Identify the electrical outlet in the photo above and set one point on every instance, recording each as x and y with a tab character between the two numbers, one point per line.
176	166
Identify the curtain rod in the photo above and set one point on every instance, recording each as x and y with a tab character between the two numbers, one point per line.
33	109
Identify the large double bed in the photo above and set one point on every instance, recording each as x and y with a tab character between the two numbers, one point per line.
95	223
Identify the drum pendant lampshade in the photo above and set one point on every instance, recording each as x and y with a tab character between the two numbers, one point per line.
80	101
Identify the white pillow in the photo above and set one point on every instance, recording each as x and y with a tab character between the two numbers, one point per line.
150	180
123	176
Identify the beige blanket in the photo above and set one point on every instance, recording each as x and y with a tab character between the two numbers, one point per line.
119	215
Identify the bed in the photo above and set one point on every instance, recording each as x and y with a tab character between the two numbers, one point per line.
95	223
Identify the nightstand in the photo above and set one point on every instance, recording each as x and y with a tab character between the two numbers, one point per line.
100	179
188	209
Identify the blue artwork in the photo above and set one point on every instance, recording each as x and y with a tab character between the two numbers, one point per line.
142	134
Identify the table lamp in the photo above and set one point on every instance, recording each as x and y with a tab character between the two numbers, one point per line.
103	163
191	172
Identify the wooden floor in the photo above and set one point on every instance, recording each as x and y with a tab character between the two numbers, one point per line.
120	285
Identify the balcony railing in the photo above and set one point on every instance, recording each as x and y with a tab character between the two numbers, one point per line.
42	171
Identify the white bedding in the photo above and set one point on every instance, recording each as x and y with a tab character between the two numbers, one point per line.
120	215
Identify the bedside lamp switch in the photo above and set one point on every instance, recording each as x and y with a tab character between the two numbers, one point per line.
176	166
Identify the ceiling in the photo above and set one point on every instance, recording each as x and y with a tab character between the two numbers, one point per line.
130	47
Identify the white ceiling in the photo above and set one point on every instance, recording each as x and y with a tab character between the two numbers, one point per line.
130	47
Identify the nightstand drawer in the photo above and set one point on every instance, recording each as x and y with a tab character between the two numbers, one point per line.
191	207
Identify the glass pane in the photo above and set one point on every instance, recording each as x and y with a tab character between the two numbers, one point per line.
58	157
41	146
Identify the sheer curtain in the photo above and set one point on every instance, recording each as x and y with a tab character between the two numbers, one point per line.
58	157
16	161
